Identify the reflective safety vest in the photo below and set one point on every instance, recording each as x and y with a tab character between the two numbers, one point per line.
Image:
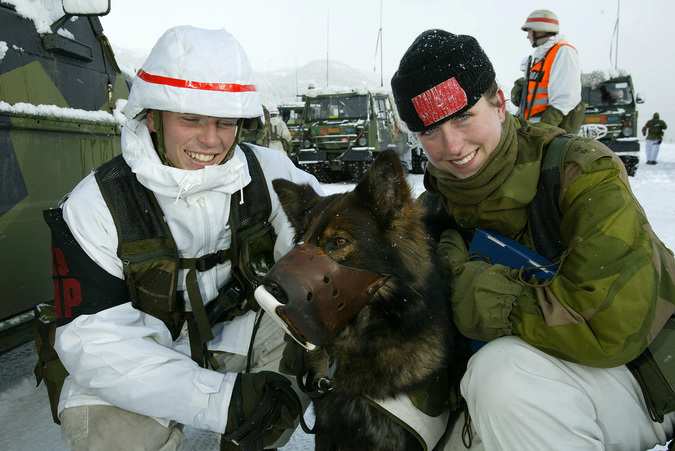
537	77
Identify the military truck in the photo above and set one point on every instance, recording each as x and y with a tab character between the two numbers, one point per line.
59	88
291	114
612	115
343	131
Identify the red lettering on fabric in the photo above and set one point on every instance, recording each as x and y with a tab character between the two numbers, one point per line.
67	291
59	266
440	101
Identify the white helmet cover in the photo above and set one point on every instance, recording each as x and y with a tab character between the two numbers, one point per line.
197	71
542	20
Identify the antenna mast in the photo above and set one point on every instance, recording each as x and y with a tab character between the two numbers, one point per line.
615	38
379	44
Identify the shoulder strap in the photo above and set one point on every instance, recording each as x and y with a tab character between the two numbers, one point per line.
544	214
255	206
146	245
135	210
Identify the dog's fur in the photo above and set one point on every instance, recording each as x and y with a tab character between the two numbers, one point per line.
402	339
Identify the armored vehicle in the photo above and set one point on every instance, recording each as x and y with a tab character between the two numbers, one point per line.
343	132
59	86
612	115
291	114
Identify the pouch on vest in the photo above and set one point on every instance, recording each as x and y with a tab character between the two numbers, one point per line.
49	368
654	370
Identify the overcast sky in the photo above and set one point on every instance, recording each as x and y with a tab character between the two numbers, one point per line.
280	35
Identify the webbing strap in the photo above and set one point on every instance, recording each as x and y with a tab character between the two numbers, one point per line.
196	301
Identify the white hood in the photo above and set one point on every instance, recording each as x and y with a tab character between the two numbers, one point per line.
177	183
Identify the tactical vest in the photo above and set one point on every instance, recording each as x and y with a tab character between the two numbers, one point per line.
151	264
536	83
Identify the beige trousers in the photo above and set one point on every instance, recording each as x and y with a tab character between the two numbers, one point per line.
111	428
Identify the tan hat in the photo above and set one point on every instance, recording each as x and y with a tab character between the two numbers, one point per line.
542	20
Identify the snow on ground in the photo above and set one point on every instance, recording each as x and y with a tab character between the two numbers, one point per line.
25	420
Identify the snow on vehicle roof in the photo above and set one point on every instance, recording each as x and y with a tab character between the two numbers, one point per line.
43	13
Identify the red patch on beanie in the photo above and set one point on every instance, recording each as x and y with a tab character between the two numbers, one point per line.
440	101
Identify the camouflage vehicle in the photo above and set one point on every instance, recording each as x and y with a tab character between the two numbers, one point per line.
612	115
344	131
59	87
291	114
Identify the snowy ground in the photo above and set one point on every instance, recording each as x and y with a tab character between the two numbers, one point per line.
25	420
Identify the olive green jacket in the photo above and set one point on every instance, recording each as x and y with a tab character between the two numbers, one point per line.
612	293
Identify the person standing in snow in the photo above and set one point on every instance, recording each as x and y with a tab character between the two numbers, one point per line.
280	136
653	130
565	357
162	336
552	92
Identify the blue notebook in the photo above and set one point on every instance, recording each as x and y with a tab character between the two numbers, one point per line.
506	251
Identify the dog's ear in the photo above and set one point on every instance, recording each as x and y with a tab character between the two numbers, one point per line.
385	186
295	199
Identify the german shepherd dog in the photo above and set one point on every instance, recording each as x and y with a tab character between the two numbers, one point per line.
363	291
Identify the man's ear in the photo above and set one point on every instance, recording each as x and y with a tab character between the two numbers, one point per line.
151	120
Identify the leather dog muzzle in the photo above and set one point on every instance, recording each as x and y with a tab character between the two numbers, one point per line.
316	295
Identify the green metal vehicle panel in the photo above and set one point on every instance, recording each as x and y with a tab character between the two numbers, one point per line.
57	98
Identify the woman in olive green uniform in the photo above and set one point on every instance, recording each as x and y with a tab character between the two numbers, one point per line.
554	372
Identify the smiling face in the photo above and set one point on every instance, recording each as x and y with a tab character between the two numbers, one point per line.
462	145
193	141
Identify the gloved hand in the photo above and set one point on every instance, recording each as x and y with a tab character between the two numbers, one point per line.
659	141
517	91
482	295
263	406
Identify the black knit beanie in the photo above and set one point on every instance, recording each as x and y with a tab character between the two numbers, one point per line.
440	76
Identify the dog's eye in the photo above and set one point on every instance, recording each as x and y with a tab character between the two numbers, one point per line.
339	241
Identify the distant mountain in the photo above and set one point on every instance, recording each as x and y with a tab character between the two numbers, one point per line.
284	86
281	86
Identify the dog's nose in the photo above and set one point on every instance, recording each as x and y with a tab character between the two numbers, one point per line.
277	291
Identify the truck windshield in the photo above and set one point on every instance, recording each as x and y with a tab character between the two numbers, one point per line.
608	94
291	116
352	107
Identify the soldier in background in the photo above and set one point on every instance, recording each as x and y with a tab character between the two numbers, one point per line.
552	93
259	135
280	136
653	130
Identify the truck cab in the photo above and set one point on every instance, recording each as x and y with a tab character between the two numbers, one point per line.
291	114
59	120
612	115
344	131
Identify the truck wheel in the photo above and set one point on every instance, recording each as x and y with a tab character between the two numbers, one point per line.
318	171
418	163
357	169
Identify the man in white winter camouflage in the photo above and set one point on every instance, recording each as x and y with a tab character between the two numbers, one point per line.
165	334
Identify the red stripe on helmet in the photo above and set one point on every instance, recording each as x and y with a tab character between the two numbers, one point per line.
542	19
178	83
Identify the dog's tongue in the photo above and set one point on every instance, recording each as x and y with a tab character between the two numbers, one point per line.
270	304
